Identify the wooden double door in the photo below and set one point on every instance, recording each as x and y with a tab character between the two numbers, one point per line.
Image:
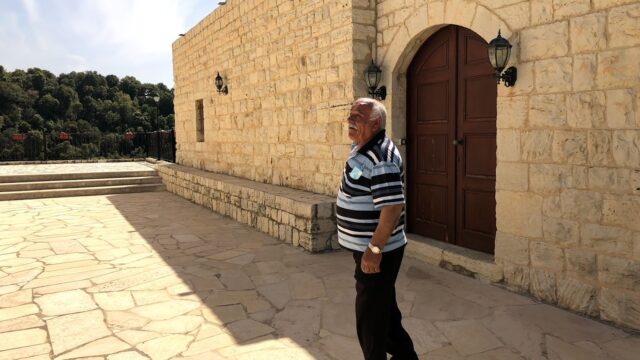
451	140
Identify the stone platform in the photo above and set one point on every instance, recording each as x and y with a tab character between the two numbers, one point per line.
296	217
57	168
154	276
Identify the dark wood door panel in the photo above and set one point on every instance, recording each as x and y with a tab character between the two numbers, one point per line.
478	224
477	98
430	124
436	57
434	153
481	221
432	216
476	126
480	156
451	95
432	107
475	48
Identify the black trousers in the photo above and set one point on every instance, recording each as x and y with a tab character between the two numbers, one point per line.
378	318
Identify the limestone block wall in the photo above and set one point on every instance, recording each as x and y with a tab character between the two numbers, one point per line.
289	67
568	142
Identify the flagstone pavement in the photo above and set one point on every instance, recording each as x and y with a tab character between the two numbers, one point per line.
153	276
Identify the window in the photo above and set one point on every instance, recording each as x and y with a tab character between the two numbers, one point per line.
200	120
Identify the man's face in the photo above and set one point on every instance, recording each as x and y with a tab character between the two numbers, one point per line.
361	129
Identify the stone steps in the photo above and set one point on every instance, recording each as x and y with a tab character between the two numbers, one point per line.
38	186
75	176
81	183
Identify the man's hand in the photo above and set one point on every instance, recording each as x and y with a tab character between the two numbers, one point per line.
389	216
370	262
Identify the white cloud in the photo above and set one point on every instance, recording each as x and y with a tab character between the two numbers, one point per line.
140	27
121	37
76	63
31	7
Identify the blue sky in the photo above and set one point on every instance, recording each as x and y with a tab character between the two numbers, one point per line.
120	37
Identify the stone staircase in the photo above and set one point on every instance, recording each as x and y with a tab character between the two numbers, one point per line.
37	186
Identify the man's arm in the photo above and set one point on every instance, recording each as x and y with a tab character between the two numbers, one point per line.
389	216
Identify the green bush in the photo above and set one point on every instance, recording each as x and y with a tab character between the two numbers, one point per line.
89	151
110	145
126	147
66	151
139	152
33	145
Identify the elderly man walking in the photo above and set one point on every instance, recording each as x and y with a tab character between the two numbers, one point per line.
370	214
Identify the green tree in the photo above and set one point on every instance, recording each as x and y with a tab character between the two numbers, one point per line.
23	126
96	109
89	109
125	107
112	81
66	151
37	122
66	95
169	122
48	107
89	151
85	127
110	145
11	96
33	145
130	86
70	127
40	79
19	77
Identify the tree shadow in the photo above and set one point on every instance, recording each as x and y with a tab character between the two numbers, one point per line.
254	290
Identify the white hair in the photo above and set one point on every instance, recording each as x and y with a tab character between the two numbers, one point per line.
378	111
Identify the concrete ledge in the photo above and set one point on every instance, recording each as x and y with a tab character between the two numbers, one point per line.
79	161
296	217
467	262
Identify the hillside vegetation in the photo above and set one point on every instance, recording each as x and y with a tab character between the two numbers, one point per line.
95	110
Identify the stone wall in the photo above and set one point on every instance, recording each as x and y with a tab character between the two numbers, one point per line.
295	217
289	67
568	178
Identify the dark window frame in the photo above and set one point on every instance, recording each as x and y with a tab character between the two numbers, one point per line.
200	120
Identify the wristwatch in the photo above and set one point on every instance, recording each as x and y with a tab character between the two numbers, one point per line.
374	249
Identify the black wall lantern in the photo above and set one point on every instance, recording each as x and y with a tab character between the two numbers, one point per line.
372	77
220	86
499	53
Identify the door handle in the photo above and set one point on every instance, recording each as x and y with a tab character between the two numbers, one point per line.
457	142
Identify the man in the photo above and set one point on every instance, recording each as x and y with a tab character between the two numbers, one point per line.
371	224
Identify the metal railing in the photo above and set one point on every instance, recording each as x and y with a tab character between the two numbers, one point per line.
160	144
36	146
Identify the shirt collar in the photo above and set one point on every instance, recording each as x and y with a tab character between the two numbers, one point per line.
372	142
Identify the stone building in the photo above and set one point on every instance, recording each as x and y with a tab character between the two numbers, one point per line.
534	186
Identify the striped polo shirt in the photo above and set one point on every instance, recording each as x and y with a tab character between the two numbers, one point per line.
372	178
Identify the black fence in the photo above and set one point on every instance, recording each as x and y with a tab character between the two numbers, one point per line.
33	146
160	145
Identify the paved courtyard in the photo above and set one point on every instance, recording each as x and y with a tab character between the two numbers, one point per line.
153	276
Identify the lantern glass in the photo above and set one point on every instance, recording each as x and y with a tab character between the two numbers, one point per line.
372	75
499	51
502	56
492	56
218	81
